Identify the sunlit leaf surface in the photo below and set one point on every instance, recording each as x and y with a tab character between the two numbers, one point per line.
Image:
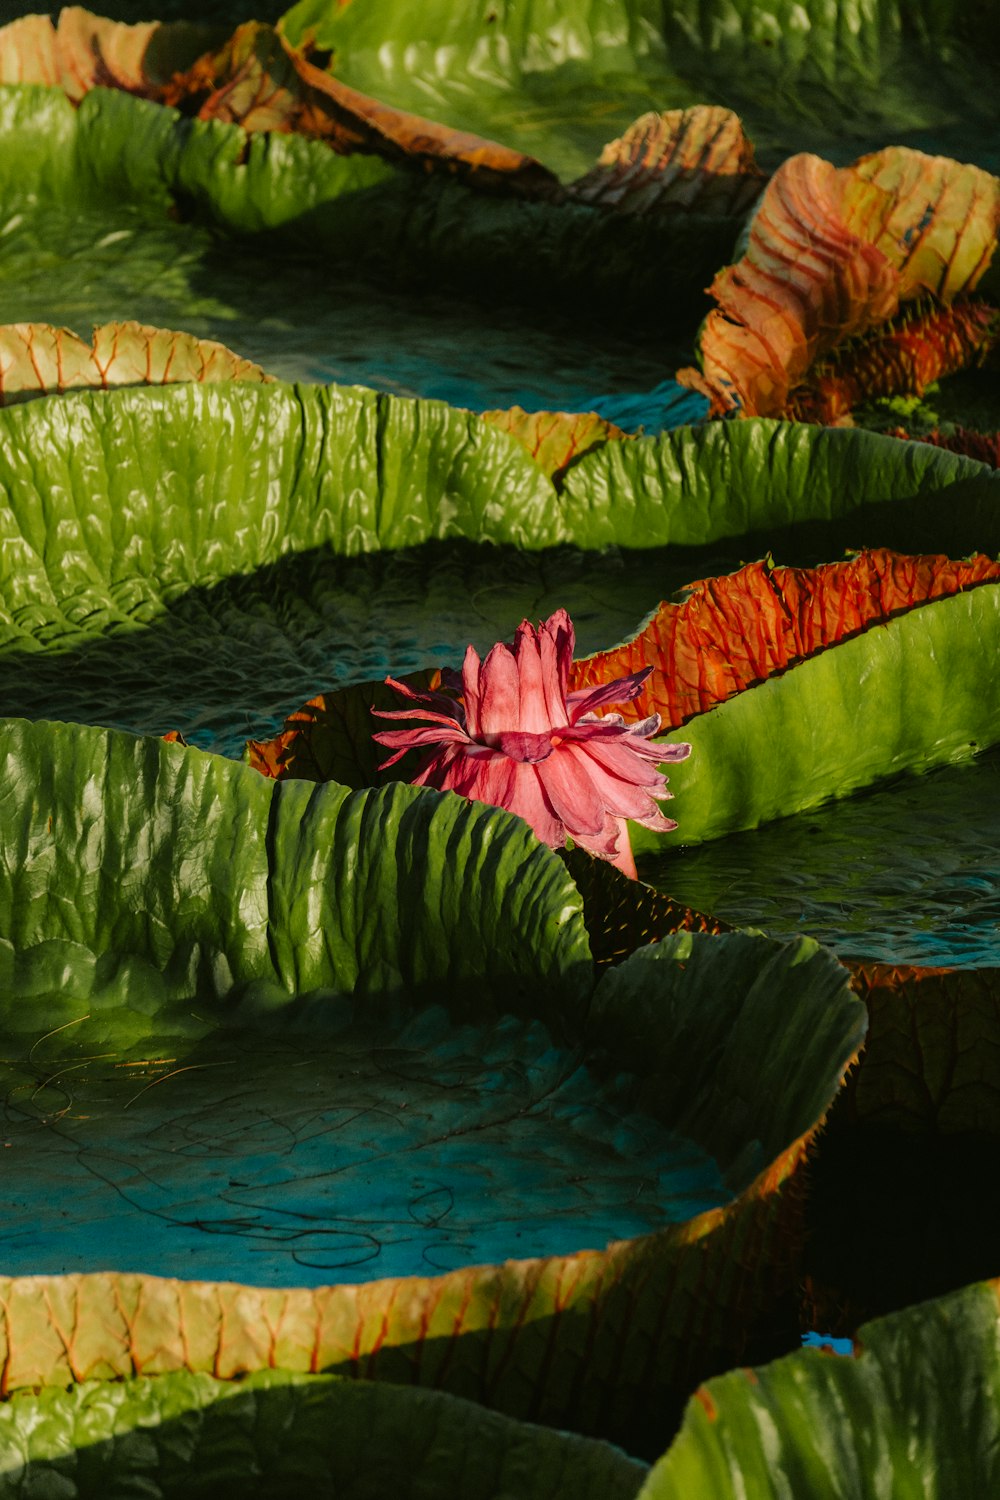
457	1112
38	360
243	1027
917	1408
184	1435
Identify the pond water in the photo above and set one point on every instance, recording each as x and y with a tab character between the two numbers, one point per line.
385	1148
909	874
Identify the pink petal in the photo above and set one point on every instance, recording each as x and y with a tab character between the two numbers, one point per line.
604	844
534	711
519	745
625	798
624	858
594	727
471	690
559	628
435	769
440	702
574	798
622	690
417	713
483	774
555	646
488	776
500	701
402	740
671	754
645	728
656	822
529	801
619	760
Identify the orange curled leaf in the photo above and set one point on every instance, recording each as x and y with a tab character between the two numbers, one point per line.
555	439
37	359
694	159
738	630
804	283
935	220
259	81
83	51
28	52
924	343
831	254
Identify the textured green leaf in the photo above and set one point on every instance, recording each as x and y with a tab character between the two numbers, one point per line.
903	698
355	471
358	212
915	1412
230	881
194	1436
753	480
244	505
744	1037
553	76
285	1031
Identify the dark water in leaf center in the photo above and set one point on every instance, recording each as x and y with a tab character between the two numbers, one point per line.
380	1150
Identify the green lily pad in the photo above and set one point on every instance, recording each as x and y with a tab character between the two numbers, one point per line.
903	698
193	1436
916	1410
285	1033
99	189
238	532
550	77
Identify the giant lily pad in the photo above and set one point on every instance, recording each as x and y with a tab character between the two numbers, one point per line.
246	503
130	161
221	997
795	741
548	77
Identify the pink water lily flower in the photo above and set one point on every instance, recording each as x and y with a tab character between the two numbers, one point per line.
517	739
